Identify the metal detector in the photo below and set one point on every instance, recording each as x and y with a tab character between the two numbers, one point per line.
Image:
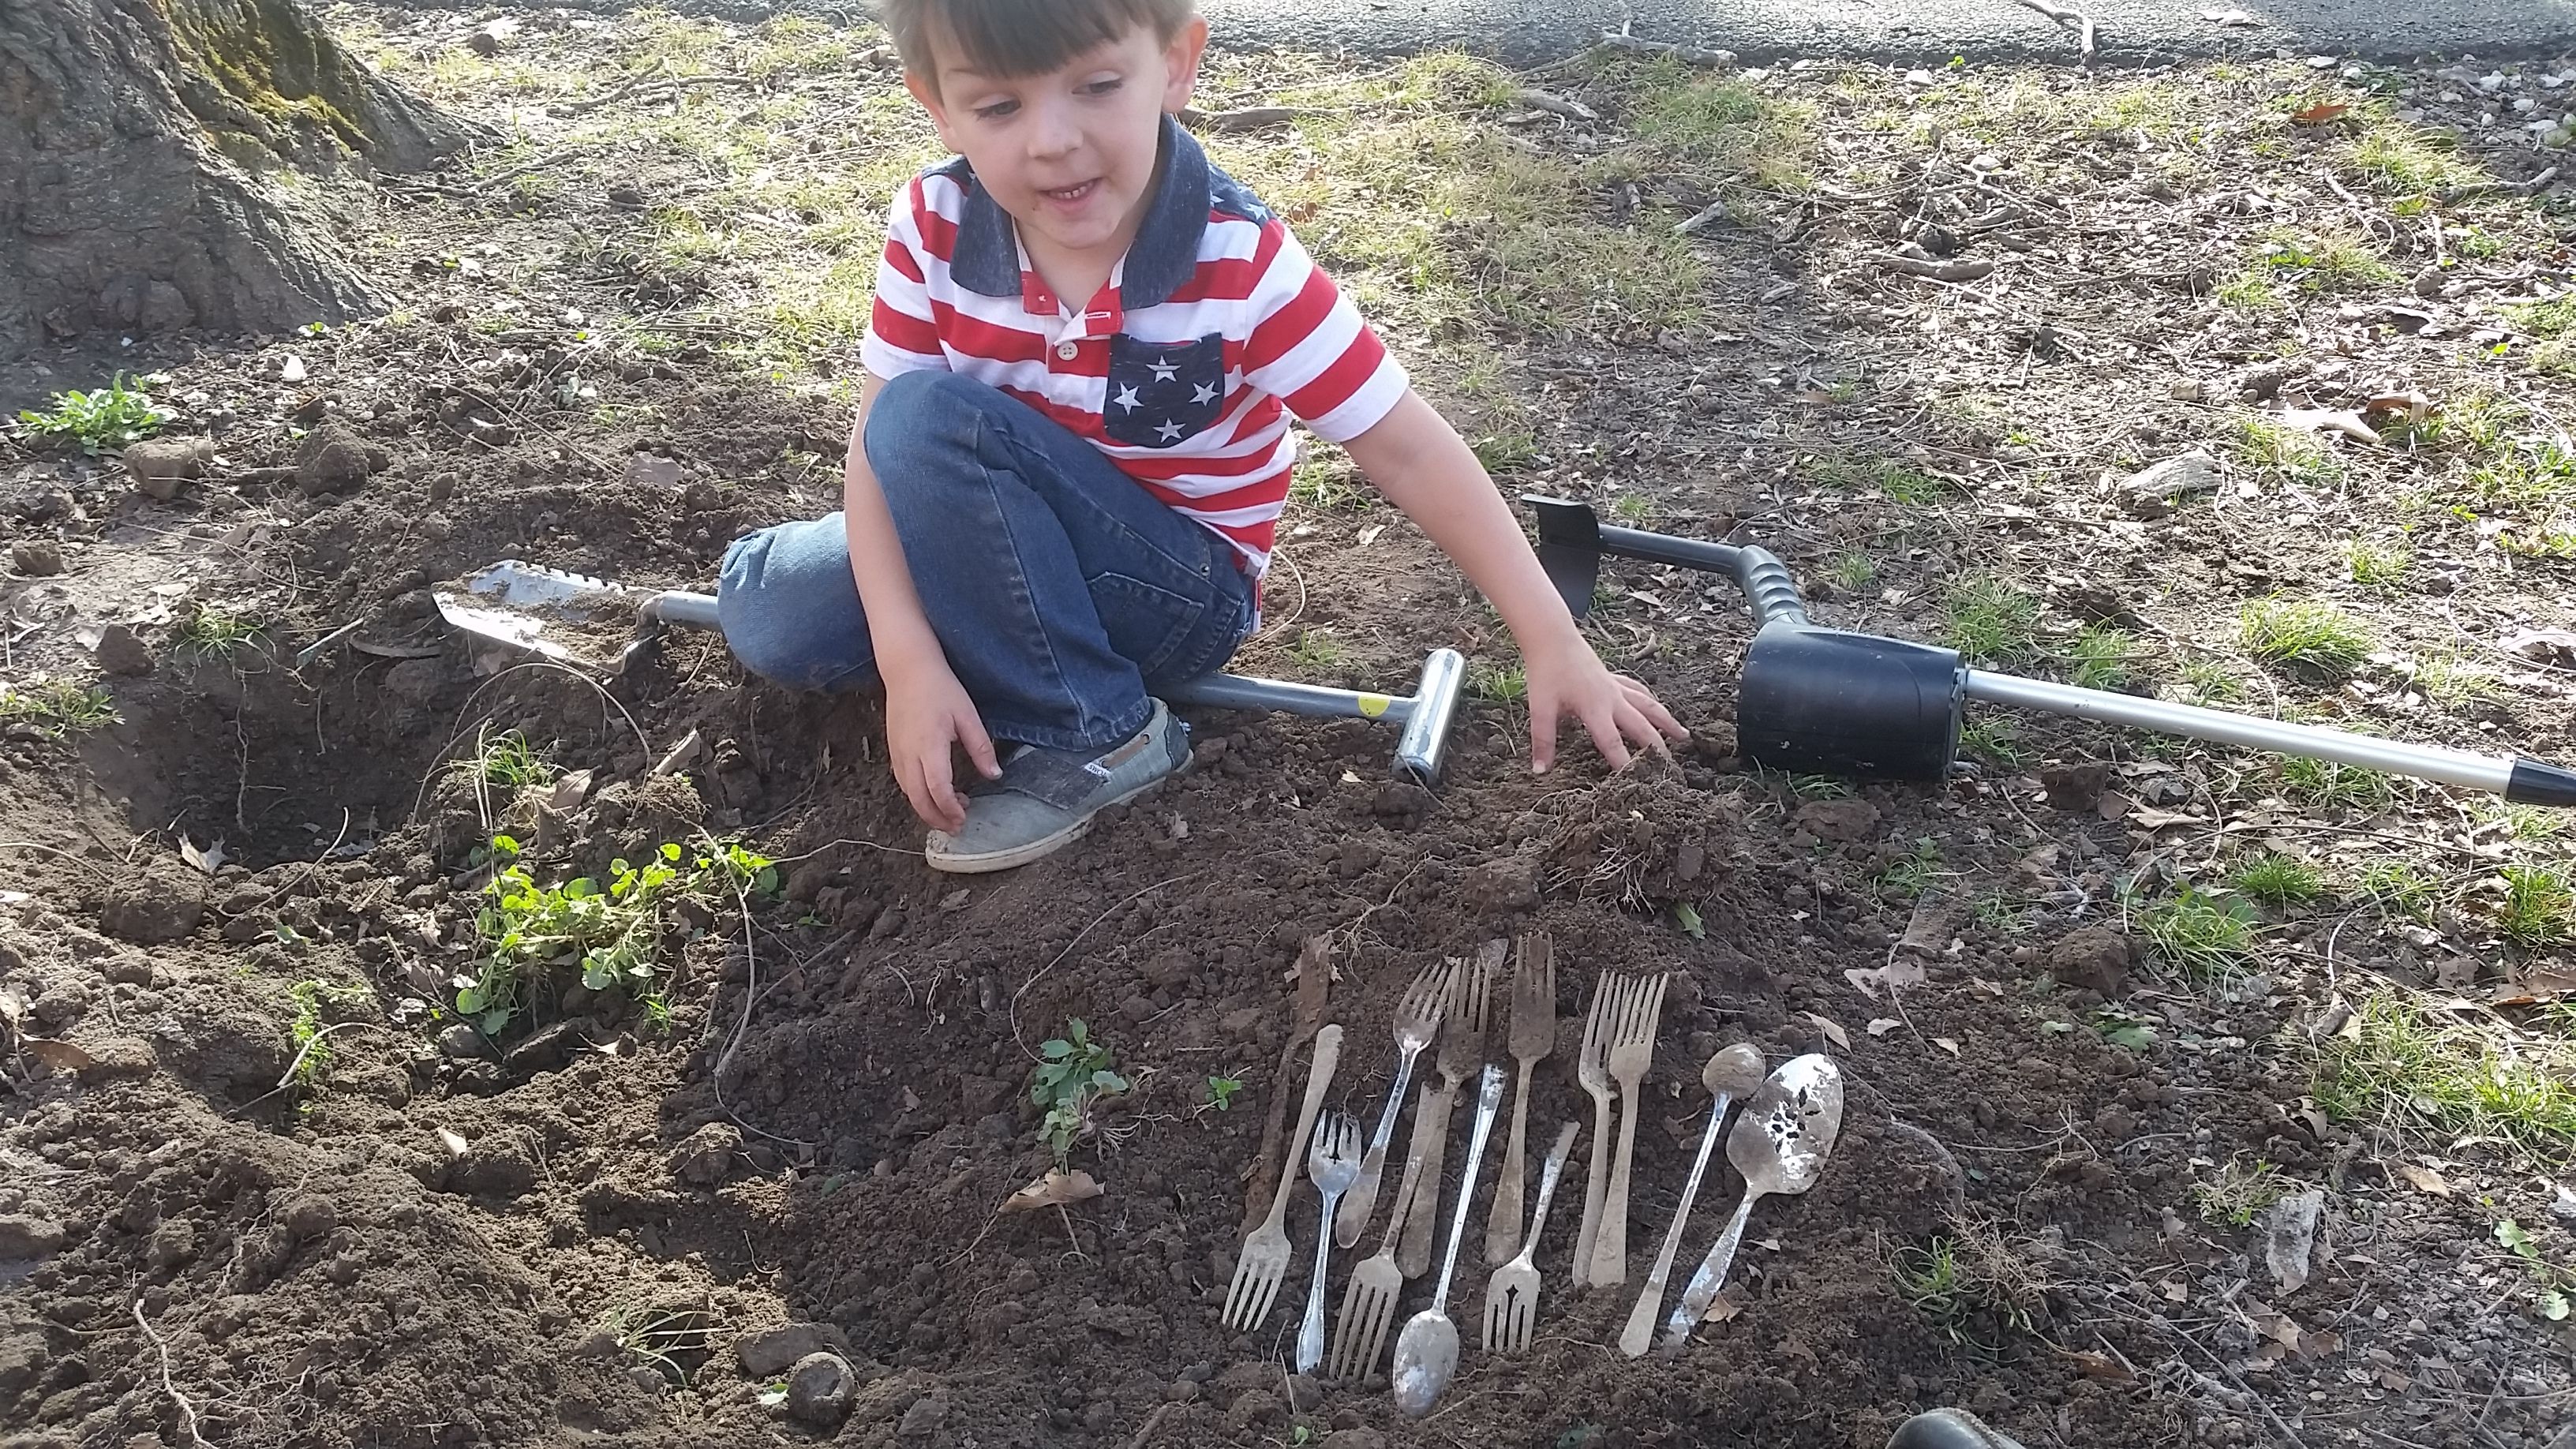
1833	702
592	622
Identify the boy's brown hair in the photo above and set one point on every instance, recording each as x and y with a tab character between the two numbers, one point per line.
1018	37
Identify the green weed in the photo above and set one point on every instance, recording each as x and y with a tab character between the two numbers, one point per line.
2408	160
2373	566
615	934
1497	684
2298	456
2324	262
2453	1073
2538	909
2398	889
2203	936
2313	635
1992	622
1972	1286
1996	739
1316	651
1854	572
2331	782
2101	656
2278	880
1073	1073
1915	873
104	421
307	1033
216	634
1221	1092
2212	681
2539	474
507	762
58	707
2239	1194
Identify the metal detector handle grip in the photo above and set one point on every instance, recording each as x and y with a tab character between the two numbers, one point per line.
1768	589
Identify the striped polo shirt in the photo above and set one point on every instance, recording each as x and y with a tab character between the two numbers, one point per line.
1212	329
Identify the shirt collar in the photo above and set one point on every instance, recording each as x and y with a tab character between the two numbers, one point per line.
1162	257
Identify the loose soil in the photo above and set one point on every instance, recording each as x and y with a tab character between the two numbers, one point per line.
579	1229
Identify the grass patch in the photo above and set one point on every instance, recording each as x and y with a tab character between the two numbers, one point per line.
1720	129
1972	1285
2278	880
215	634
1853	572
2212	681
58	707
1992	622
308	1031
2101	656
2238	1194
2310	635
2298	456
2451	1073
1316	651
102	421
507	762
2322	263
2373	566
1495	684
2331	782
2538	909
2534	474
1913	873
2397	889
1996	739
2203	936
2408	160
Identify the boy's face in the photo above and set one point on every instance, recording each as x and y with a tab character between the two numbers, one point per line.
1070	153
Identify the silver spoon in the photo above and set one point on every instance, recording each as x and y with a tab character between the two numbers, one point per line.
1780	1145
1426	1353
1730	1074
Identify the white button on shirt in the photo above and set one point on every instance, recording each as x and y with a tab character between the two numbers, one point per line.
1067	350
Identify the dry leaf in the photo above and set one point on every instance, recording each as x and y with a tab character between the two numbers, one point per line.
1882	1025
2394	1382
2538	983
2099	1365
1833	1031
2174	1291
208	860
2425	1179
2146	818
2113	805
1946	1044
1980	986
2414	405
1056	1189
13	1008
1892	975
1720	1309
62	1056
2320	113
2542	646
570	791
1768	1245
2330	420
456	1145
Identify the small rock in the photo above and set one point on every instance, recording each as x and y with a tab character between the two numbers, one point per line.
707	1156
545	1049
1843	820
37	558
154	908
332	459
309	1216
22	1236
159	465
1508	884
924	1417
819	1390
2076	787
1305	1395
122	651
461	1041
1354	1439
764	1354
2152	493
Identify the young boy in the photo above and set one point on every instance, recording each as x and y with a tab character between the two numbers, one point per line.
1072	444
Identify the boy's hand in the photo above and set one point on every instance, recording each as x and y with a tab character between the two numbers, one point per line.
928	714
1566	677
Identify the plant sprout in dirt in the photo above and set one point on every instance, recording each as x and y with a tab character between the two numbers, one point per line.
2419	1068
615	934
100	421
2316	636
2203	936
308	1033
215	634
2239	1193
1073	1072
57	707
1972	1284
2278	880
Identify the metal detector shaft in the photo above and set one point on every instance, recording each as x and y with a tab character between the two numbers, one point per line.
1420	750
2529	782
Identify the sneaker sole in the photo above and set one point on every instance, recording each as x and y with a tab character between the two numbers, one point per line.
952	863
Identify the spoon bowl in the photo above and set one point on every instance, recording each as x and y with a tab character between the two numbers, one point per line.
1426	1358
1787	1131
1734	1072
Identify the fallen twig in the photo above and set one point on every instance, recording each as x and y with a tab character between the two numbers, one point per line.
1960	271
187	1411
1559	105
1686	54
2487	188
2075	20
1701	218
668	90
1250	118
658	68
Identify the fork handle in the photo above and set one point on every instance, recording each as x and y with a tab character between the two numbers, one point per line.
1610	1251
1319	1075
1711	1276
1596	1185
1352	1220
1310	1333
1489	1096
1640	1333
1503	1222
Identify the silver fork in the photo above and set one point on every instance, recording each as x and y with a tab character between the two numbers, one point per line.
1462	1050
1417	1020
1592	1069
1334	1164
1264	1259
1368	1304
1511	1295
1632	1051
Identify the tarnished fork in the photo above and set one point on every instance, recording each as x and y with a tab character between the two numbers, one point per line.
1263	1260
1368	1304
1417	1020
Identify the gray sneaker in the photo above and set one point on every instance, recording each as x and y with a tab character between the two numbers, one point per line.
1045	798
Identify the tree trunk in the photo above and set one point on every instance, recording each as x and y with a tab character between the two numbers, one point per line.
154	157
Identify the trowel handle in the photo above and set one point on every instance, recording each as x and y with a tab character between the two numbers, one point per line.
1758	571
672	606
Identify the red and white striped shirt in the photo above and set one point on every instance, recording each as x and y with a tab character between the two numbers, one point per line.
1212	329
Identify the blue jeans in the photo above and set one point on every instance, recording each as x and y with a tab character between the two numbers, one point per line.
1060	589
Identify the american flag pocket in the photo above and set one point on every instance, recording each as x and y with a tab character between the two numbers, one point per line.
1163	392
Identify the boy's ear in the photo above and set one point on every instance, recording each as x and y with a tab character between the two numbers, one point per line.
1181	63
928	94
